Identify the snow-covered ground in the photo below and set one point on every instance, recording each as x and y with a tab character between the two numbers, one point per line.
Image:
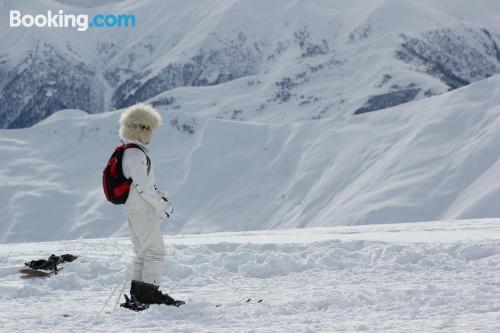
413	277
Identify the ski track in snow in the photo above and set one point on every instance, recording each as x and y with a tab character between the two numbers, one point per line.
416	277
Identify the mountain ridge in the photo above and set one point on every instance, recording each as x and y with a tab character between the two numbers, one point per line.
310	60
431	159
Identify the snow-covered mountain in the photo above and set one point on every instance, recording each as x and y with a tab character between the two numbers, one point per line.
431	159
282	61
267	115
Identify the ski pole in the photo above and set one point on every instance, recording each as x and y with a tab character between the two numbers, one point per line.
125	277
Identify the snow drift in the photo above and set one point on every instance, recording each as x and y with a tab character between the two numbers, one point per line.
439	277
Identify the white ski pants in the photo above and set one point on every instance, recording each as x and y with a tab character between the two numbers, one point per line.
148	264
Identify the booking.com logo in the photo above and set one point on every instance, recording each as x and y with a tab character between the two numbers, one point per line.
81	22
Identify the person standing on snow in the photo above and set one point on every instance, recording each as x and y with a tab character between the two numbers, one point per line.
145	205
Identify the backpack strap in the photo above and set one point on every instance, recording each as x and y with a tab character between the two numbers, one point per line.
133	145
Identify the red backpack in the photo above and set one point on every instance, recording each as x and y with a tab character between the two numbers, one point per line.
116	186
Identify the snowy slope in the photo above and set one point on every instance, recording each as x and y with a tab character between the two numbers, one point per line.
304	60
418	277
432	159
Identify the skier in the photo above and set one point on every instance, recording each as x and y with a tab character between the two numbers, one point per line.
145	205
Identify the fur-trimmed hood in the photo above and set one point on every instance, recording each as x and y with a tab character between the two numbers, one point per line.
138	123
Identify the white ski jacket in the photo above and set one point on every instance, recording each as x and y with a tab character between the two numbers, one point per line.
143	193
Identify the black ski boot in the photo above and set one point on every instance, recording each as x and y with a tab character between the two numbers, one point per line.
167	299
133	302
150	294
134	288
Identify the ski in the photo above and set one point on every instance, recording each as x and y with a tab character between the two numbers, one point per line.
45	267
249	300
131	303
33	272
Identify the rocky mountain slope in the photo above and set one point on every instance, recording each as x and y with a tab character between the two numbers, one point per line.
293	61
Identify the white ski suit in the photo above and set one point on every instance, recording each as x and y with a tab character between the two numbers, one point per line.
144	208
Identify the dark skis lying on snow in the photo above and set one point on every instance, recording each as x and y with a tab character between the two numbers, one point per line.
45	267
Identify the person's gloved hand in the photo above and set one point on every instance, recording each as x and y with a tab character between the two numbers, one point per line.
169	209
163	195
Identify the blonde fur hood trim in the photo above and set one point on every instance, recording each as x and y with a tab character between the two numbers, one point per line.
138	123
